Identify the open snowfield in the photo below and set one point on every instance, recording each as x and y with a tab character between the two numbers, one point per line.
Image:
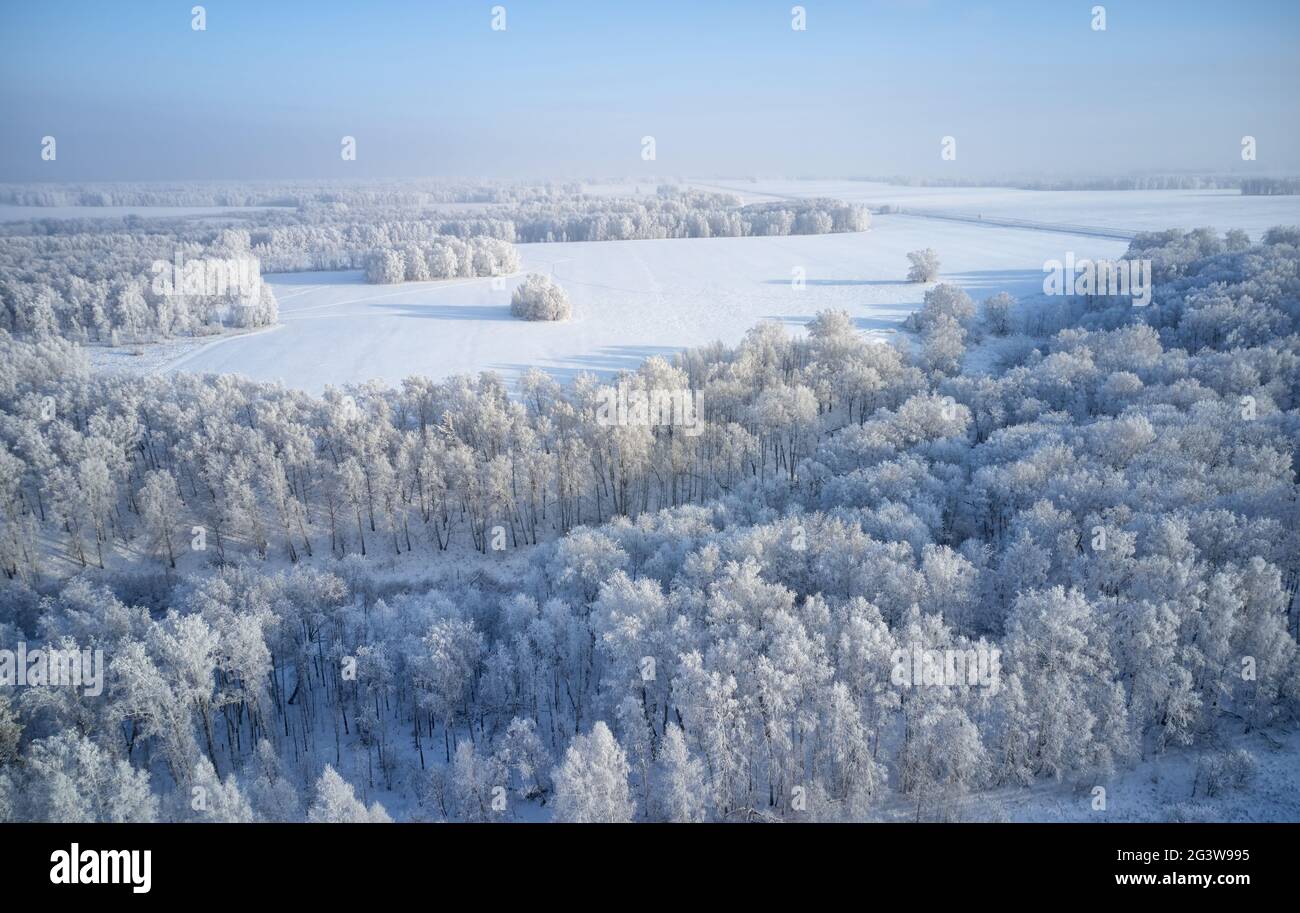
1126	210
631	299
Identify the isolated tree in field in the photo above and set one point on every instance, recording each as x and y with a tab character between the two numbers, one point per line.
925	265
591	781
538	297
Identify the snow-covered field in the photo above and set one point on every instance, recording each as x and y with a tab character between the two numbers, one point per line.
1126	210
631	299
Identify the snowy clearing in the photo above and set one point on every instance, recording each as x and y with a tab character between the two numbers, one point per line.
631	299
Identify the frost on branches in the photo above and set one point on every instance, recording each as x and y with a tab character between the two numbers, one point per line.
538	297
458	601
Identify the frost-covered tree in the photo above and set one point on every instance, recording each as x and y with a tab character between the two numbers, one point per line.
681	791
996	312
11	730
1111	503
522	752
211	799
272	797
591	782
385	267
68	778
160	508
538	297
943	303
336	803
924	265
474	777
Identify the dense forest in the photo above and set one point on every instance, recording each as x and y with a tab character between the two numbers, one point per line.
458	601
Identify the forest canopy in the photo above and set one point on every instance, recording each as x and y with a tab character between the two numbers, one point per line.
386	603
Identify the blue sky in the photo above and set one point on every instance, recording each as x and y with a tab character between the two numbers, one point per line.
131	92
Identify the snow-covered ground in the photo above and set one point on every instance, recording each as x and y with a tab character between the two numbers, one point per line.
631	299
154	357
1159	788
1126	210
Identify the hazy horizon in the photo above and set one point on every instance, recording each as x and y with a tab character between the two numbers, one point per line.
134	93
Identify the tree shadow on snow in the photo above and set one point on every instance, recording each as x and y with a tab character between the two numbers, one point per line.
834	282
605	362
992	279
892	320
447	311
320	277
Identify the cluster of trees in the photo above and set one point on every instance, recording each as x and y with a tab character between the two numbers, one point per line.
1270	186
342	242
385	193
119	288
682	213
946	320
667	625
539	297
90	280
331	237
442	258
